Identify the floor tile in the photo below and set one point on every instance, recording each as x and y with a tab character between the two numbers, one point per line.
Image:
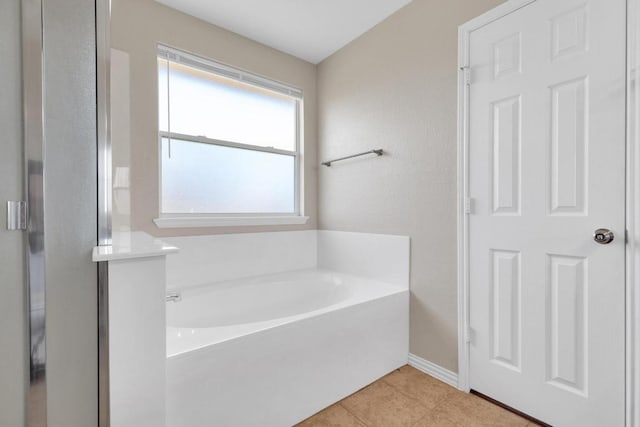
470	411
427	390
408	397
382	405
333	416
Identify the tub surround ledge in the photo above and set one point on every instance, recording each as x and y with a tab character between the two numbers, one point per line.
228	221
131	245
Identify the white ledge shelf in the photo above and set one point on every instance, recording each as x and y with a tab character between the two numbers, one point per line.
130	245
231	221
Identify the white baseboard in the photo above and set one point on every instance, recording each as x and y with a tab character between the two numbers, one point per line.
430	368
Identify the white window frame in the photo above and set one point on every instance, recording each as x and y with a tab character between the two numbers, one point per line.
184	220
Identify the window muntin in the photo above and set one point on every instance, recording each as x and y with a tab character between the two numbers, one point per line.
229	140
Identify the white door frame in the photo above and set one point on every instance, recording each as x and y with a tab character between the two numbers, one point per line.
632	221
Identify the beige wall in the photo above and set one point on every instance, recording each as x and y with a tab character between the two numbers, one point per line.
395	88
137	27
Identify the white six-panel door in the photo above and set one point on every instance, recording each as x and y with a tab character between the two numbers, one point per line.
546	169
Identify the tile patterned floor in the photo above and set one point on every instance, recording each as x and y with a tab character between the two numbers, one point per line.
408	397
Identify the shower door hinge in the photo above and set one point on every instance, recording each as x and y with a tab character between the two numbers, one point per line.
16	215
468	335
468	205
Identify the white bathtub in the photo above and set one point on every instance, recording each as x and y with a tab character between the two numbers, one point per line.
273	350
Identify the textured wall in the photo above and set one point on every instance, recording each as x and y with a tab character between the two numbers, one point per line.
395	88
137	28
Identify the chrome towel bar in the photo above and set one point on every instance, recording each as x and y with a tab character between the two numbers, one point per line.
379	152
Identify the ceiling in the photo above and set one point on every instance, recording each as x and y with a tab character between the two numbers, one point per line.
308	29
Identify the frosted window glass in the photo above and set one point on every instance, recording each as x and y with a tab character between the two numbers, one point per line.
206	178
205	104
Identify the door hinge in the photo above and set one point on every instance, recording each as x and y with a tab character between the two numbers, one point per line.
16	215
468	205
468	334
466	72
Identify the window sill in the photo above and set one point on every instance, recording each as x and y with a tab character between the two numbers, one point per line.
239	221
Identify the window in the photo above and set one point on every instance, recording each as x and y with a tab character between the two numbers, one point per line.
229	144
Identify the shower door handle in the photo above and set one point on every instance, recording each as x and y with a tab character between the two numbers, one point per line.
16	216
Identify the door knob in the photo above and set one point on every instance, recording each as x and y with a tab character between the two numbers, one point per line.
603	236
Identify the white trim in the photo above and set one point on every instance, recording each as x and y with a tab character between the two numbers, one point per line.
464	32
182	57
633	222
167	220
463	311
204	140
494	14
436	371
230	221
633	215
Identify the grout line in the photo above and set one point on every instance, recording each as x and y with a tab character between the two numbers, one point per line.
422	418
437	402
352	414
339	403
405	394
414	398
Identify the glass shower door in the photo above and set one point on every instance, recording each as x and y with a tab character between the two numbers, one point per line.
13	339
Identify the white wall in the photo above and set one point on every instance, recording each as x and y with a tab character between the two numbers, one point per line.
395	88
206	259
137	342
376	256
213	258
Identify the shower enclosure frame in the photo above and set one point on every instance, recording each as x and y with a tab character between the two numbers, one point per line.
103	77
34	42
33	125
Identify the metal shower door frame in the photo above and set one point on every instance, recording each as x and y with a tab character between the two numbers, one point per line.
33	102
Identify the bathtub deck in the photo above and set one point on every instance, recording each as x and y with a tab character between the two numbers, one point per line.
407	397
